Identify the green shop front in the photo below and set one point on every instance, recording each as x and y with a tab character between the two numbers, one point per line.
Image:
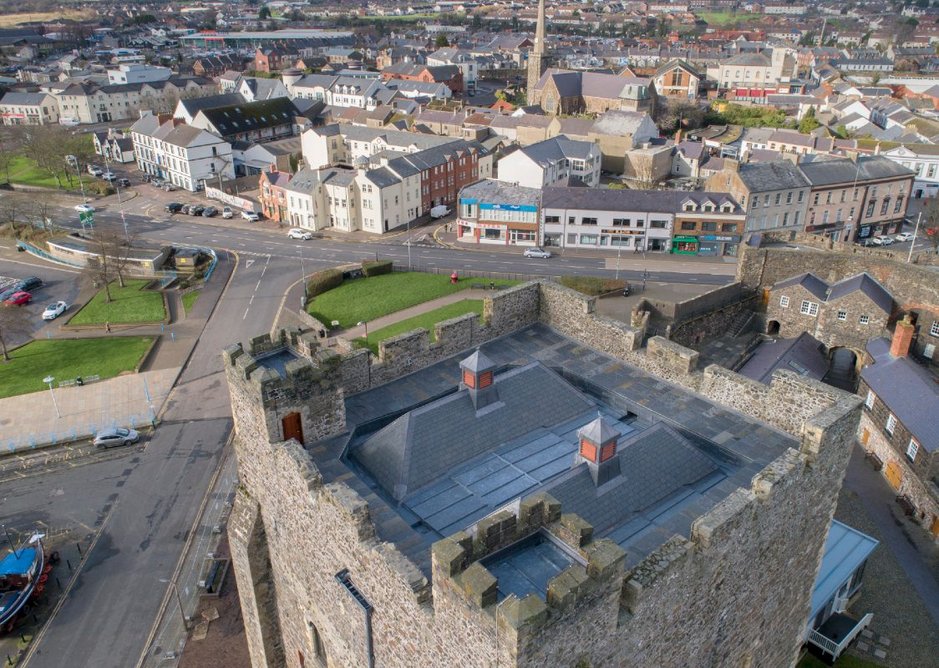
714	245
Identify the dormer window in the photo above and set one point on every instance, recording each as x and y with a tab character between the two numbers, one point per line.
726	208
689	206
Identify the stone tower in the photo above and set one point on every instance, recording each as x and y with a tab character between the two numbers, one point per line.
536	56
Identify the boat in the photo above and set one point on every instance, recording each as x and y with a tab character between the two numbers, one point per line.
22	576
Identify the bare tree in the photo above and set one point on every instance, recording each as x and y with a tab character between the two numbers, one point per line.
47	146
6	159
41	214
10	211
14	326
113	253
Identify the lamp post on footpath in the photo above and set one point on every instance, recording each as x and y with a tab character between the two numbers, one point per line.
909	257
117	187
179	601
48	380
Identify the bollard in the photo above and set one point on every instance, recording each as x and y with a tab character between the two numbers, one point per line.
79	546
173	336
57	582
69	564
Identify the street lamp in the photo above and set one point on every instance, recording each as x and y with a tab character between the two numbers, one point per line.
120	202
48	380
303	277
179	601
909	257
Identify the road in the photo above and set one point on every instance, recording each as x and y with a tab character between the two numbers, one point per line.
142	507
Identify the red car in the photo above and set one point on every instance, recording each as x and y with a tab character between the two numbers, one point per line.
18	299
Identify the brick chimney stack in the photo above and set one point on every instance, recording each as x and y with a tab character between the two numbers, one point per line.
597	443
902	337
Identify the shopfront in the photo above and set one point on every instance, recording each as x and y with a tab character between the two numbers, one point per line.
684	245
718	244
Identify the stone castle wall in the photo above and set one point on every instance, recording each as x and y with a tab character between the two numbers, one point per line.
747	546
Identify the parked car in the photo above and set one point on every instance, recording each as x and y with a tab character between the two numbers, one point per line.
68	121
540	253
109	176
185	209
904	236
885	240
84	208
53	311
209	211
297	233
18	299
196	210
28	283
94	170
250	215
123	183
174	207
109	438
226	212
169	187
6	294
157	183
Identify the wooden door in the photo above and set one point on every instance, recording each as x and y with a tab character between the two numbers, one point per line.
865	436
292	427
894	474
934	529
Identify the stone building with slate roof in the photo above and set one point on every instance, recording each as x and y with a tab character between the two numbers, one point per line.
570	92
564	495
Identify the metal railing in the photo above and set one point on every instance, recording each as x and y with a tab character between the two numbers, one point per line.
38	440
833	648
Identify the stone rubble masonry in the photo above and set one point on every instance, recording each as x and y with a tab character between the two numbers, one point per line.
736	592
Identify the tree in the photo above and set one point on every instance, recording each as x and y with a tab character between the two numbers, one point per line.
441	41
809	122
679	113
10	211
14	327
112	254
6	160
264	13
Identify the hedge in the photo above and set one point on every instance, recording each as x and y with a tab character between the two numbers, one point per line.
376	267
592	285
323	281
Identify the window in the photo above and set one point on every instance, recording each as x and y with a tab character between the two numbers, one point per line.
552	219
815	201
864	319
891	424
842	315
685	226
709	227
871	398
316	642
621	222
728	227
934	328
588	221
789	197
911	449
658	224
778	195
808	308
784	301
801	195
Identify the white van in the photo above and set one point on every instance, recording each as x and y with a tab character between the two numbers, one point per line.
439	211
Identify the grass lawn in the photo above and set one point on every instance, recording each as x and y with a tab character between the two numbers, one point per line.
846	661
370	298
24	170
66	359
129	304
425	320
728	18
189	299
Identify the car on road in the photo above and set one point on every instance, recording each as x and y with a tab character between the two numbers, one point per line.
109	438
123	183
173	207
109	176
904	236
28	283
250	215
54	310
68	121
540	253
84	208
18	299
297	233
227	213
209	211
885	240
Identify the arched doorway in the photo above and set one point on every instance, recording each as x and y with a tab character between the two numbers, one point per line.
842	369
772	328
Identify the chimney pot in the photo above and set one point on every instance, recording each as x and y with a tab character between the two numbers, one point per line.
902	337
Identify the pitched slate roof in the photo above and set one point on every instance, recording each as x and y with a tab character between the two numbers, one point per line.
809	281
866	284
821	172
249	116
907	389
768	176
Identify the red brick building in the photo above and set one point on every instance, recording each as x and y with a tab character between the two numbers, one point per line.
445	74
272	196
274	59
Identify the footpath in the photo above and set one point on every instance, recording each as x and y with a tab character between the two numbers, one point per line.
29	421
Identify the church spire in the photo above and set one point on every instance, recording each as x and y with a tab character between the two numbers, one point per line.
536	55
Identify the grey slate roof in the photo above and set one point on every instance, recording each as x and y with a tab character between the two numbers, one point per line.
829	172
769	176
24	99
427	443
599	431
803	355
501	192
809	281
607	199
908	390
830	293
556	149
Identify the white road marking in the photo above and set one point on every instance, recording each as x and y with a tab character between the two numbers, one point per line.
246	313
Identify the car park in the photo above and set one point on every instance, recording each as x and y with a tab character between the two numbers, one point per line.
84	208
904	236
18	299
169	187
297	233
109	176
173	207
28	283
250	215
109	438
54	310
123	183
9	292
209	211
226	212
539	253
